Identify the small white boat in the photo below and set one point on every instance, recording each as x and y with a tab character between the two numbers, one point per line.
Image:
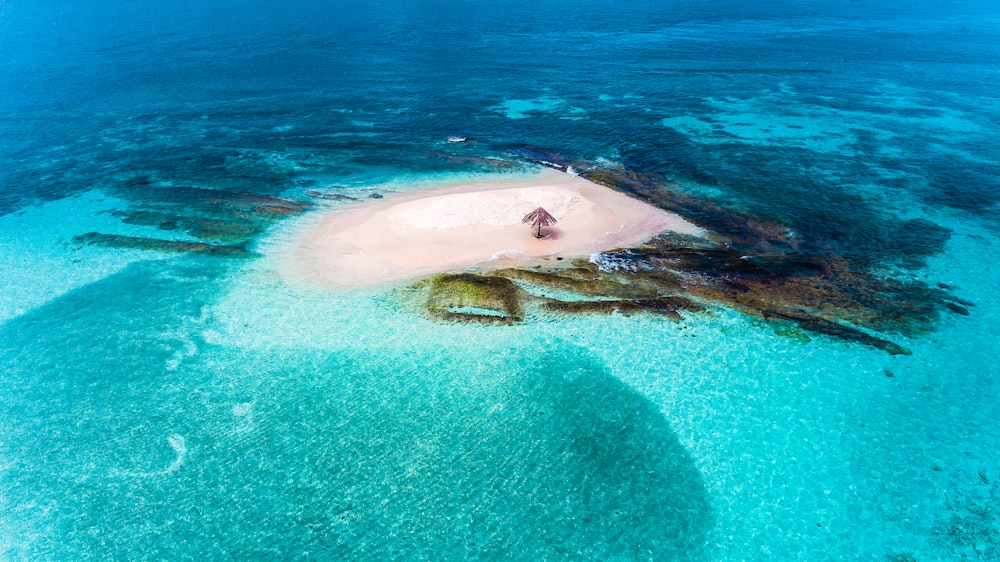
457	139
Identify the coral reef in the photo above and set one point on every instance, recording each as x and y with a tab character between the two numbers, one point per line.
119	241
466	296
753	264
797	280
222	221
664	306
485	163
330	196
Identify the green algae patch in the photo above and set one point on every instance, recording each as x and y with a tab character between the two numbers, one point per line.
496	298
227	229
668	307
584	280
213	216
174	246
471	297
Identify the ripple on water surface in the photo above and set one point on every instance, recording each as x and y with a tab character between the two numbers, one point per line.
428	449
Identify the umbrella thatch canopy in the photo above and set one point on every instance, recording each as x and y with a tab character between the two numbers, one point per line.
539	217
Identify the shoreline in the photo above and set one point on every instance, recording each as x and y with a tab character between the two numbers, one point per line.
474	224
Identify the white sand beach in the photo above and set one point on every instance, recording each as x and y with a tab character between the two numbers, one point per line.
478	224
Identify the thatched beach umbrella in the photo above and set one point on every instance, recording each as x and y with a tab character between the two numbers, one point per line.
539	217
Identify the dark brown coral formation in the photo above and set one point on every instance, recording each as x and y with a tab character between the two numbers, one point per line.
752	264
330	196
223	222
664	306
176	246
465	297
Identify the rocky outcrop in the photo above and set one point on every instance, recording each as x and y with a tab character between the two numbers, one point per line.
494	298
330	196
468	297
668	307
174	246
753	264
224	222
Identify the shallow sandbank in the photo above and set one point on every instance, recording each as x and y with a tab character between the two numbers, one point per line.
476	224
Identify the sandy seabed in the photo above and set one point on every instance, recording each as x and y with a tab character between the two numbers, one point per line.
452	228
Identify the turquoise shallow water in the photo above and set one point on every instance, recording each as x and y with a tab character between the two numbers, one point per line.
165	406
187	408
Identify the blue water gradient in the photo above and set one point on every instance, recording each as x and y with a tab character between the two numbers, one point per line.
172	407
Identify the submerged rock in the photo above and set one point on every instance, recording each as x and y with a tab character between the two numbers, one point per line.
823	326
480	161
277	210
119	241
755	265
212	215
663	306
470	297
330	196
221	229
494	297
583	281
206	200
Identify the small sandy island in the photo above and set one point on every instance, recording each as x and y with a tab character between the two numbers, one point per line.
477	224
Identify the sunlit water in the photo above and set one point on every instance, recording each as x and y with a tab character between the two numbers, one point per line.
166	406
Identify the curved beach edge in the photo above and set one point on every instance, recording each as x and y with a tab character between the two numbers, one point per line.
476	224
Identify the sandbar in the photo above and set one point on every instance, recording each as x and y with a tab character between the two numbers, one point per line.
477	224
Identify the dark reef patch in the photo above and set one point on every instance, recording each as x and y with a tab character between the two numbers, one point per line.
972	187
468	297
149	192
579	280
663	306
813	195
229	229
804	263
330	196
224	222
139	243
481	162
759	266
914	239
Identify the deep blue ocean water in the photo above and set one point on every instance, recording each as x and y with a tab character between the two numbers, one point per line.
155	406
